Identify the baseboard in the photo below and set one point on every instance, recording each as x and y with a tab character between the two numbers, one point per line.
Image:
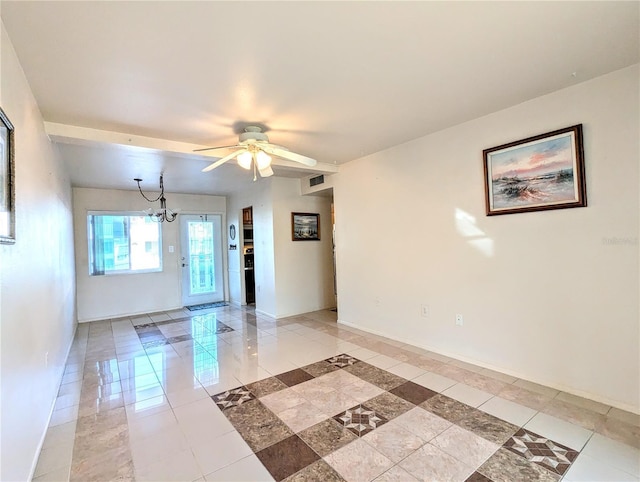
129	315
523	376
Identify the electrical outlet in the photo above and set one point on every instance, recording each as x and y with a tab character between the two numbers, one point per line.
424	310
459	320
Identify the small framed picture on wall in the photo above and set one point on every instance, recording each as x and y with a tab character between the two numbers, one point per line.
305	227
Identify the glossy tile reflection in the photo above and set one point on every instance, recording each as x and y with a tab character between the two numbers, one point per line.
228	394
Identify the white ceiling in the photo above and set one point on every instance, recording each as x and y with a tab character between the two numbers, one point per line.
331	80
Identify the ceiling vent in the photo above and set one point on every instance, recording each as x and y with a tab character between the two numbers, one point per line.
314	181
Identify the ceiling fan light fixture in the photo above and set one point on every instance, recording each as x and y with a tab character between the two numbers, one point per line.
263	160
244	160
266	172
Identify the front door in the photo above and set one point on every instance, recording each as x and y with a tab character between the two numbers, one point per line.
201	245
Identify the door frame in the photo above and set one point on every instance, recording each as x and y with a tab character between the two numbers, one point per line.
225	252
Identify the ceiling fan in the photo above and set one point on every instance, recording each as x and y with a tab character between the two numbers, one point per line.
255	150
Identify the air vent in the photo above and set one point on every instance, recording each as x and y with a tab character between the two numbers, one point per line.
314	181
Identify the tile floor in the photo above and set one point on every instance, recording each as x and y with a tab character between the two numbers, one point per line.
228	395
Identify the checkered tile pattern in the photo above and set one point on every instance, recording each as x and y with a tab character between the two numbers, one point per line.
295	427
199	329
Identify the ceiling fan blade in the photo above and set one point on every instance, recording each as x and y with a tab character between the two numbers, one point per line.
292	156
219	162
266	172
215	148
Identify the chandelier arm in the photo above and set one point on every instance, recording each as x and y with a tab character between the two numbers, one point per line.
143	195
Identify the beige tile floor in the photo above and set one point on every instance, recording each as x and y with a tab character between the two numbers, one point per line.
129	410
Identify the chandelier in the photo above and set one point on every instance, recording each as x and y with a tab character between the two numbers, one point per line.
164	213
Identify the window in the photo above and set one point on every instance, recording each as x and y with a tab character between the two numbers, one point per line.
123	243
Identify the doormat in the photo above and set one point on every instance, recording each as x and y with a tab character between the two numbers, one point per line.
204	306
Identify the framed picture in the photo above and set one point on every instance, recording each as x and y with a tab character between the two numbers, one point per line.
305	227
535	174
7	182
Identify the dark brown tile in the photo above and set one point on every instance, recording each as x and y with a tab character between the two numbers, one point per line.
504	466
540	450
477	477
266	387
258	425
319	470
448	408
287	457
294	377
412	392
376	376
389	405
488	427
327	436
319	368
360	420
178	339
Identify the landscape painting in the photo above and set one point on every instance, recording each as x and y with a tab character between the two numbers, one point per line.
305	227
7	180
537	173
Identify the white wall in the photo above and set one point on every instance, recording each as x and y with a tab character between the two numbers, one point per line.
304	269
101	297
544	295
257	196
36	280
290	278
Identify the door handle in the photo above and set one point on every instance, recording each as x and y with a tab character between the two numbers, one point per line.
184	265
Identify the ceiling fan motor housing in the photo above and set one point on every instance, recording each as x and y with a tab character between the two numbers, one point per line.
253	134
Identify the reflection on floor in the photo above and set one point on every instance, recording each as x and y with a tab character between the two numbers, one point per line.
228	395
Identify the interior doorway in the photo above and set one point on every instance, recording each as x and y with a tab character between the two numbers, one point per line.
248	260
201	251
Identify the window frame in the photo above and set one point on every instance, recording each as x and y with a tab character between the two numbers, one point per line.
90	245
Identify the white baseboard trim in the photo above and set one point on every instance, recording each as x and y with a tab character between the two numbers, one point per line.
523	376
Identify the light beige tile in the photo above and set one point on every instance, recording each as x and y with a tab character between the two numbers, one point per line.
54	458
396	474
624	416
302	416
467	366
524	397
574	414
431	463
370	462
422	423
334	402
283	400
537	388
503	377
465	446
466	394
583	403
59	475
393	441
361	390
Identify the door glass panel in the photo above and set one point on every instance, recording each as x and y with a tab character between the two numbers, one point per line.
201	259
